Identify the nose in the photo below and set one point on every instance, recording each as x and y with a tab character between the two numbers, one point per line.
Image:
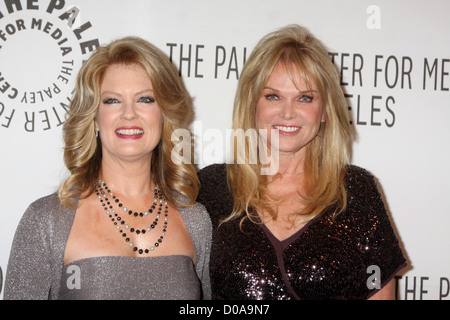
288	110
129	111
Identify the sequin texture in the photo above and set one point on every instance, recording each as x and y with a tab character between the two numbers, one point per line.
327	259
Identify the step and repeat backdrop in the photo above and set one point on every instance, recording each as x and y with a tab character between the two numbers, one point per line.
394	62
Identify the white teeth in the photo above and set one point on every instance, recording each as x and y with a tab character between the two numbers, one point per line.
130	132
287	129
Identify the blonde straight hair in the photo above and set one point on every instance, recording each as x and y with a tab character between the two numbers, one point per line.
83	150
327	155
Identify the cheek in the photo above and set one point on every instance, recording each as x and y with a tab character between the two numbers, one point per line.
262	116
154	120
315	115
102	119
159	119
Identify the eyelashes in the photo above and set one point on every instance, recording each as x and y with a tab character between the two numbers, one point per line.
271	96
274	97
110	101
306	98
147	99
144	99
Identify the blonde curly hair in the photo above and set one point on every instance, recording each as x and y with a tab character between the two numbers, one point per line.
83	152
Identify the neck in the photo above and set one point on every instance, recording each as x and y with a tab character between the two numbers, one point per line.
126	178
291	163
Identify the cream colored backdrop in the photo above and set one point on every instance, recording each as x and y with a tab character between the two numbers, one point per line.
394	58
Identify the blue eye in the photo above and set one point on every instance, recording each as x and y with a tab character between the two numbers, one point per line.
271	96
147	99
110	101
306	99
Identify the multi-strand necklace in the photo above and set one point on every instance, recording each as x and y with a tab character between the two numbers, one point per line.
103	194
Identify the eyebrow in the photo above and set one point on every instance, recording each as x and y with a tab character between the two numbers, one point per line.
303	92
137	93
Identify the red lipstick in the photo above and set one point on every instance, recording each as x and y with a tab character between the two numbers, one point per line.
129	132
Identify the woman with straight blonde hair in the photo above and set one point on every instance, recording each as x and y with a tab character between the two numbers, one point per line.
313	228
124	224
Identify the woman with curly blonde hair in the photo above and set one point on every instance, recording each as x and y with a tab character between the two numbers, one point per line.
125	219
313	228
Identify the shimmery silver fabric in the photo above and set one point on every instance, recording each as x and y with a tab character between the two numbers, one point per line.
36	271
130	278
329	258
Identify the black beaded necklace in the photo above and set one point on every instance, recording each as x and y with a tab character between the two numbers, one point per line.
103	192
125	209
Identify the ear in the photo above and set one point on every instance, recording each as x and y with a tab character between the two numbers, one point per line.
96	125
323	112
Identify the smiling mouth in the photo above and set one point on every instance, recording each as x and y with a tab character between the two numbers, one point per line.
287	129
129	132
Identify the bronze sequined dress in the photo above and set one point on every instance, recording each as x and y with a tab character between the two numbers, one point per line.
327	259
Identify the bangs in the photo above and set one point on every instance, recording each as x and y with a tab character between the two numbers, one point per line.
298	60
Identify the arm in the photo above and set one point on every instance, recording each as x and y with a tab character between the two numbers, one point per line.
28	275
385	293
206	251
375	236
